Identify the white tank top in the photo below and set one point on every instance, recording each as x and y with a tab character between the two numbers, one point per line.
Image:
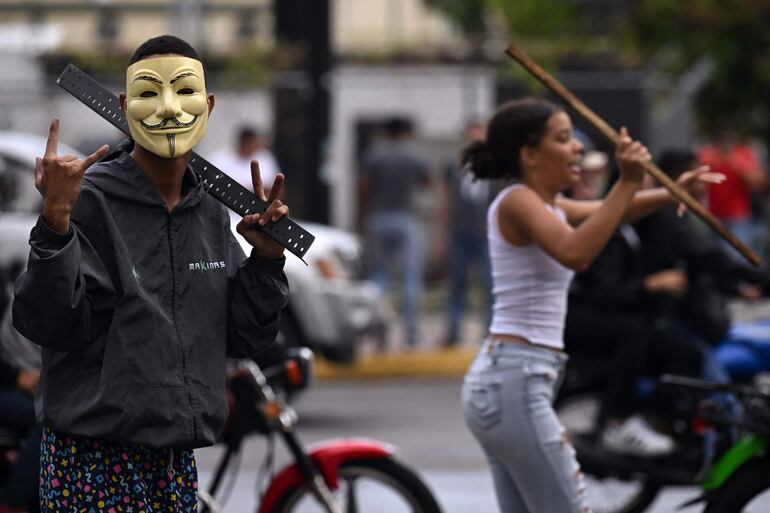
529	286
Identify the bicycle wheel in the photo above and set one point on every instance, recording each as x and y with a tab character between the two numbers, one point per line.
608	491
367	486
747	491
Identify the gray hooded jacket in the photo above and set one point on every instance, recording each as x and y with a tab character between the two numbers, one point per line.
136	309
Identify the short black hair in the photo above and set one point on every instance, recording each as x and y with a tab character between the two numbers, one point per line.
246	133
161	45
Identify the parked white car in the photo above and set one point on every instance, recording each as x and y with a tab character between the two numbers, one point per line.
331	307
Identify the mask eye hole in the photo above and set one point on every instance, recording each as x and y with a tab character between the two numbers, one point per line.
148	94
185	90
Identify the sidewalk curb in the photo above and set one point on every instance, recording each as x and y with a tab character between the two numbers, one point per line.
441	363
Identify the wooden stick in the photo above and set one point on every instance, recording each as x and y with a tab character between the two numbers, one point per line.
613	136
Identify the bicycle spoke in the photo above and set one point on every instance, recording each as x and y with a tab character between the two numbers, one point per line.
368	487
351	504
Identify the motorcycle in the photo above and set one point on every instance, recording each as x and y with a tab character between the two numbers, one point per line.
333	476
745	353
737	470
628	484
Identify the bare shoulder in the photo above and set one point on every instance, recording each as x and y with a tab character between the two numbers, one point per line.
517	207
520	201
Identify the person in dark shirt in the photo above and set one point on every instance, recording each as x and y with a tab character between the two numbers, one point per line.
395	169
606	322
713	273
138	291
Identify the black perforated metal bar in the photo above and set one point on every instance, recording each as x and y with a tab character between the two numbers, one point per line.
285	231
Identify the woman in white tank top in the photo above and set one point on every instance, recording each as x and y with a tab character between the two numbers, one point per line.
537	240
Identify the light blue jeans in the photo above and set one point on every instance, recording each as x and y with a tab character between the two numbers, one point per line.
465	250
507	400
396	244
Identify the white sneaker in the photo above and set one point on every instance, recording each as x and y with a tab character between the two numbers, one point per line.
635	436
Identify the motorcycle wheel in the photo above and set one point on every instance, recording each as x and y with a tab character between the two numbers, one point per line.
608	491
367	485
743	491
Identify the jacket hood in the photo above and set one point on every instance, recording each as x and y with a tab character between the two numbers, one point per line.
124	179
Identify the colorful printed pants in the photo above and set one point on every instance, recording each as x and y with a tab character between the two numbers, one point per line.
85	475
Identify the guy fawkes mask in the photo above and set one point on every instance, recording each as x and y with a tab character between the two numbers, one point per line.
166	104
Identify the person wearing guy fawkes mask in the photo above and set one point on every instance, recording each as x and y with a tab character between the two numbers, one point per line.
137	291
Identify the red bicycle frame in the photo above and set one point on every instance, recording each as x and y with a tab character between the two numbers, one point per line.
328	456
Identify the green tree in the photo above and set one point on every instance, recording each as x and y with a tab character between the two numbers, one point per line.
734	34
537	18
546	29
523	17
468	15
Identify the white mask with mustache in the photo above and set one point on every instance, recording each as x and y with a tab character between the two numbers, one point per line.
166	104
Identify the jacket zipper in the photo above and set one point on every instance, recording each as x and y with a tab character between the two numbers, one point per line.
176	329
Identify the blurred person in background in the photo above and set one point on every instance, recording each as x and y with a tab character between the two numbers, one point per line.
713	274
654	300
593	176
236	161
508	391
731	202
395	169
606	323
19	377
462	236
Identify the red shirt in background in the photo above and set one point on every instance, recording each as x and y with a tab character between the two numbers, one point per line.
730	200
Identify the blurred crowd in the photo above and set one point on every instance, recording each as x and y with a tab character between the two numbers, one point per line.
674	269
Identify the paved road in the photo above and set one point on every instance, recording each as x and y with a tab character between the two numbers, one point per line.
422	418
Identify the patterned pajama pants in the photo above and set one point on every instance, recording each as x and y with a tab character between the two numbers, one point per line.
85	475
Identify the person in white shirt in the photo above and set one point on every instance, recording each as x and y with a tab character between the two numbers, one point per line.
537	239
236	162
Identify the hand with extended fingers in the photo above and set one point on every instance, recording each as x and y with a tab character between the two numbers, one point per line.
631	157
58	180
262	242
696	182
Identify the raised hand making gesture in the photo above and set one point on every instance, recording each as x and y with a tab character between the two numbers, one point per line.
262	242
58	179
